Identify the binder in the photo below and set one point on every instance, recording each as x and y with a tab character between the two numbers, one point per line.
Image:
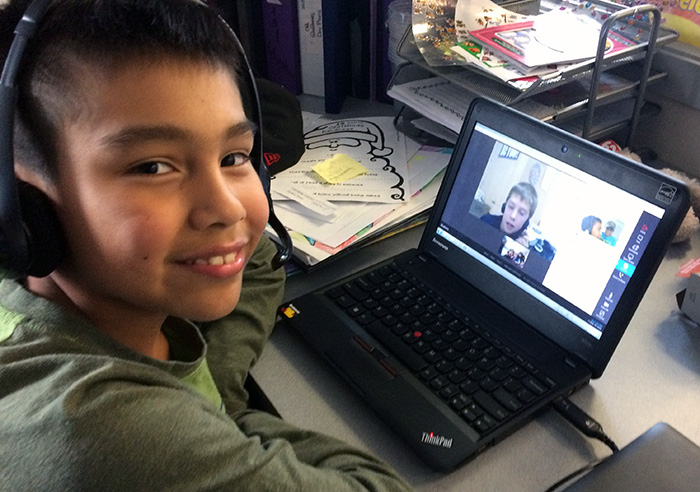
384	71
337	71
310	16
282	43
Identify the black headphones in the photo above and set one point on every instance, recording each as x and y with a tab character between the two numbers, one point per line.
31	239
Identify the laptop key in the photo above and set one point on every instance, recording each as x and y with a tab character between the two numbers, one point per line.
535	385
432	356
399	329
512	385
490	405
524	395
355	291
370	303
488	384
397	310
469	387
457	376
507	399
421	347
517	372
345	301
460	401
449	391
439	382
468	415
484	423
335	292
428	373
356	310
498	374
363	284
375	277
444	366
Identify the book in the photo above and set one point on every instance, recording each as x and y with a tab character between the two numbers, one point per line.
549	40
518	43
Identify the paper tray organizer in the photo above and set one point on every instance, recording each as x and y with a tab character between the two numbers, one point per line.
573	99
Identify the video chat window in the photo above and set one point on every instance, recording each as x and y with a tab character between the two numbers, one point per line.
547	222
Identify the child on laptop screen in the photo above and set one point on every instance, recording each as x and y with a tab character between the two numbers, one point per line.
130	119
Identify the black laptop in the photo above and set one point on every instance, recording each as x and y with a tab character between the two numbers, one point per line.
536	254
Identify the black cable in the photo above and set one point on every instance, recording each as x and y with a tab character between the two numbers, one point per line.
583	422
589	427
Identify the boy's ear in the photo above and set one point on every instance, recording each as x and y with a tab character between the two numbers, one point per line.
45	239
45	242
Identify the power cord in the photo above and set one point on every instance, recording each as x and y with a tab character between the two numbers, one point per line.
583	422
589	427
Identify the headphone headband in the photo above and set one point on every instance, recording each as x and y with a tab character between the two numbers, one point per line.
15	245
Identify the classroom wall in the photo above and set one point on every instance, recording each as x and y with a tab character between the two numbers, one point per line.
673	134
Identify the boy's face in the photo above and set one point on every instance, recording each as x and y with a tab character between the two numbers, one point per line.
517	211
160	204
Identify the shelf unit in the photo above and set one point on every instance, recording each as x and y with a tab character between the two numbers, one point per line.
594	98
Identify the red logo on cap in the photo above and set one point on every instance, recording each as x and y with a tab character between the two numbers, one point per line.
270	159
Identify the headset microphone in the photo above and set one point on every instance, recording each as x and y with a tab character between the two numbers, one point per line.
285	248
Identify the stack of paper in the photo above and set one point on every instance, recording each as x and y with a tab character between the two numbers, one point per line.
520	49
353	182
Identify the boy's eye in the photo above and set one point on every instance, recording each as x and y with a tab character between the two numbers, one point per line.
153	167
235	159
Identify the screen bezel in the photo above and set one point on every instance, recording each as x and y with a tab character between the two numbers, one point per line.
635	178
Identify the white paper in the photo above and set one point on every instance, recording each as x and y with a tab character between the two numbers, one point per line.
307	203
437	98
374	142
350	218
370	219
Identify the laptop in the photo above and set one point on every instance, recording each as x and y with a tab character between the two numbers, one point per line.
536	253
662	459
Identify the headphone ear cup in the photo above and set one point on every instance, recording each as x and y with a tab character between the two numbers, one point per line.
503	208
45	239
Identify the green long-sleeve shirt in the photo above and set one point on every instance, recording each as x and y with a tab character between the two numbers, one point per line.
80	412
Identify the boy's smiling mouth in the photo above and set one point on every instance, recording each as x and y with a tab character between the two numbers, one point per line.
219	262
213	260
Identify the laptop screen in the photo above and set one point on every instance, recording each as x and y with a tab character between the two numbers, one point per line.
568	239
543	234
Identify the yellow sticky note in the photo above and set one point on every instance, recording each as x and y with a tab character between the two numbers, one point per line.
339	168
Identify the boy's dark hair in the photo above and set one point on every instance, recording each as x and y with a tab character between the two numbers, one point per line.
78	37
588	222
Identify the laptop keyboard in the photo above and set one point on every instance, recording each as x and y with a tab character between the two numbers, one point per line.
458	359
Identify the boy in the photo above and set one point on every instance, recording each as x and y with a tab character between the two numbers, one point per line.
517	210
130	120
